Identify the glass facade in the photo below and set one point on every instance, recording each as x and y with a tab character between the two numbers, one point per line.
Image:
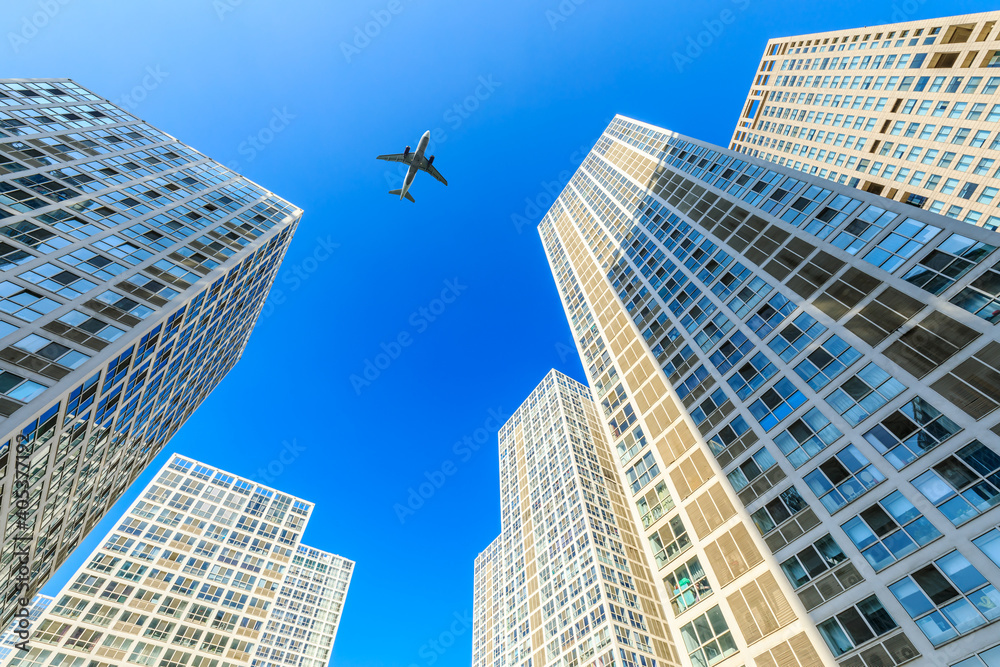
133	271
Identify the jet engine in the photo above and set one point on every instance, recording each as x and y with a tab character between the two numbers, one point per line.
430	160
406	152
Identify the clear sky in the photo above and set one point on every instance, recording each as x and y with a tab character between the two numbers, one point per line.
288	94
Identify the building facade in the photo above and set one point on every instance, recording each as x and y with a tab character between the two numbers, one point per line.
206	569
487	607
133	271
908	111
802	379
566	582
303	626
10	636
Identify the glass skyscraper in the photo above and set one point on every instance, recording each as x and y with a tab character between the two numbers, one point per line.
799	382
205	569
908	111
133	271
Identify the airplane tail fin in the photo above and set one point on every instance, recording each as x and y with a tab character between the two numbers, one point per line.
408	195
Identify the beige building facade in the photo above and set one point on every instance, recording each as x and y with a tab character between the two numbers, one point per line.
909	111
789	373
206	569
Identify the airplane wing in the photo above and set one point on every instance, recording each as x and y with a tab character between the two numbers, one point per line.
424	165
405	158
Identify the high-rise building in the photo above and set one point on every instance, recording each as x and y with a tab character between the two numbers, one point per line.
487	608
808	375
307	610
908	111
566	582
206	569
133	271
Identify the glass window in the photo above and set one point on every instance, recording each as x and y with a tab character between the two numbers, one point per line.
795	336
856	625
982	296
688	585
708	639
910	432
861	395
842	478
889	530
776	403
947	598
781	509
961	486
813	561
826	362
759	462
752	375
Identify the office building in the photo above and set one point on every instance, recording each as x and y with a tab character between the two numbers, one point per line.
133	271
206	569
811	374
908	111
565	583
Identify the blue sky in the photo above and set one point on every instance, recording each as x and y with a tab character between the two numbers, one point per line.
288	94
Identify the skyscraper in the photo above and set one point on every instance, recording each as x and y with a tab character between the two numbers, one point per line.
10	638
133	270
206	569
811	373
565	582
908	111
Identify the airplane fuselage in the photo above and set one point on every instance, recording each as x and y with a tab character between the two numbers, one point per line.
417	156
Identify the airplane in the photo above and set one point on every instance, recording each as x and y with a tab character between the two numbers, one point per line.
417	162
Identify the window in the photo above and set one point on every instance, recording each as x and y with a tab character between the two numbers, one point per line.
760	462
652	506
861	395
18	388
731	352
806	437
947	598
770	315
910	432
814	560
842	478
752	375
960	486
889	530
669	541
773	514
901	244
707	638
947	263
640	474
856	625
58	280
795	336
862	229
630	445
688	585
982	296
776	403
988	658
826	362
52	351
706	408
125	304
24	304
